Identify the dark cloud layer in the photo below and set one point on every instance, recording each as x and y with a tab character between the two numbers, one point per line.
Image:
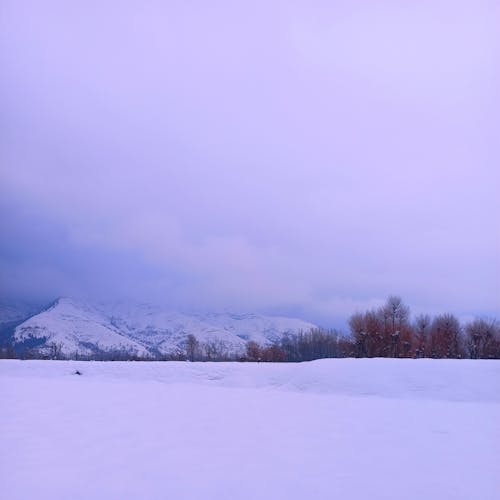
307	157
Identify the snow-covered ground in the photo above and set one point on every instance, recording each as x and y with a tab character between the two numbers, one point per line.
331	429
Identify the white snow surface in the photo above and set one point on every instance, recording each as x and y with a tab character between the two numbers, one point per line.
331	429
78	326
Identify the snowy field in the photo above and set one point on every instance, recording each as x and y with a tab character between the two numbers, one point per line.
331	429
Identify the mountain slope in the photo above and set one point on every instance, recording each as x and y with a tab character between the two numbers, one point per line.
75	328
79	327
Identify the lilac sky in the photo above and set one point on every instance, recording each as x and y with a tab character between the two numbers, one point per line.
304	158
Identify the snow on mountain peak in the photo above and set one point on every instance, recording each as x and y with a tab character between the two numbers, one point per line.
82	327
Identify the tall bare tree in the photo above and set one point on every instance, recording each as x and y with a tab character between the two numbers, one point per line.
422	331
192	347
481	338
445	337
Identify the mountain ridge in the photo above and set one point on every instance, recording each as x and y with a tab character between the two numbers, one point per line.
81	327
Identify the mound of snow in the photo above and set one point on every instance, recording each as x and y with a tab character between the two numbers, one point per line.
347	429
451	380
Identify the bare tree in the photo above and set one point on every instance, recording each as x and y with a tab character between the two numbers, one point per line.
395	315
54	350
358	332
422	331
397	311
481	338
214	350
254	351
445	337
192	347
377	344
273	353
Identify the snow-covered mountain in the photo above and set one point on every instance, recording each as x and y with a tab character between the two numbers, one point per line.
80	327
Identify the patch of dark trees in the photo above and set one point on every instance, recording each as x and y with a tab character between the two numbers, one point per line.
384	332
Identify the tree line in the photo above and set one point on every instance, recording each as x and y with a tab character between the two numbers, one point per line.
387	332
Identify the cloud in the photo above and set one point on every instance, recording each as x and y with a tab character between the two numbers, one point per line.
306	159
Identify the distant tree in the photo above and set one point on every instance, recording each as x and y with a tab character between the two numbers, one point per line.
254	351
397	334
482	338
316	343
422	328
55	350
378	344
214	350
346	347
396	312
289	345
273	353
445	337
7	352
192	347
325	343
359	334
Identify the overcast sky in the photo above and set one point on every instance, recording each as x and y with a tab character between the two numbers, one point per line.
305	158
